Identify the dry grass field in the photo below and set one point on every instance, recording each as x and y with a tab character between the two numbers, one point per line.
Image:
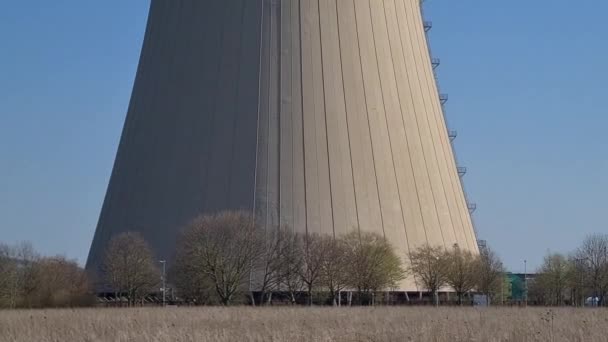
381	324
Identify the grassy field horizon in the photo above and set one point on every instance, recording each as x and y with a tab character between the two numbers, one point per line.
377	324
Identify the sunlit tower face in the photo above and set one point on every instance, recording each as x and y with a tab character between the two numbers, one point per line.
320	115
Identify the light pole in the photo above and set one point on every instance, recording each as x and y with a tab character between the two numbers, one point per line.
525	283
164	289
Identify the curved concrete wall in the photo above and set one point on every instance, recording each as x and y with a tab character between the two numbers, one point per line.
321	115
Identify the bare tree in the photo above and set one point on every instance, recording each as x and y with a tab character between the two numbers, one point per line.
27	258
577	278
9	277
19	263
32	282
593	261
194	286
429	267
490	273
552	278
460	271
374	265
129	267
334	272
59	283
314	253
290	265
222	248
77	288
267	269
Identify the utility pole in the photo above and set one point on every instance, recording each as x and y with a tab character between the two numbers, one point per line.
164	289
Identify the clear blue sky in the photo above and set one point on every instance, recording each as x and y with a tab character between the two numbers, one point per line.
527	82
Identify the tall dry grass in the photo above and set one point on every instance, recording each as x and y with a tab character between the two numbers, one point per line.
381	324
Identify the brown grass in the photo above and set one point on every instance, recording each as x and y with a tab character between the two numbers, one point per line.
381	324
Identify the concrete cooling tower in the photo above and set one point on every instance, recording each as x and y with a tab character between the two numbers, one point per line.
320	115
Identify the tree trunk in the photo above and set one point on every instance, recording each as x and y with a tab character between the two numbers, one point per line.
310	296
252	298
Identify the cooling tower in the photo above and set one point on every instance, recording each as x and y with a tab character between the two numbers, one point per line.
320	115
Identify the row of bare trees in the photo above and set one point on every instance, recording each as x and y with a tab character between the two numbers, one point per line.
221	257
580	278
457	270
28	280
225	258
